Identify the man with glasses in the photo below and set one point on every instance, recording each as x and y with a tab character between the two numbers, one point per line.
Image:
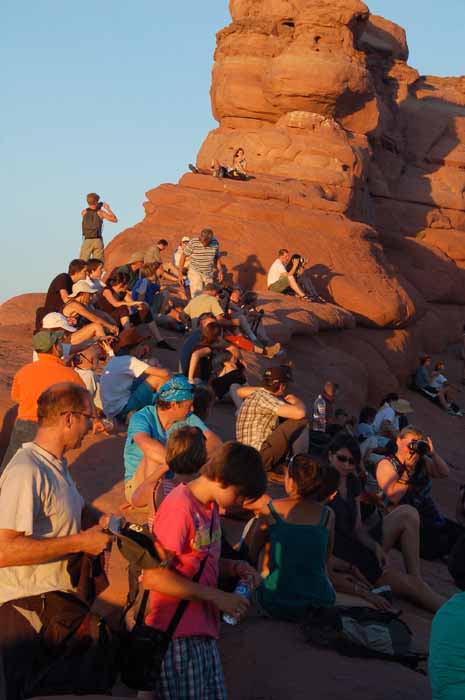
43	522
149	428
258	420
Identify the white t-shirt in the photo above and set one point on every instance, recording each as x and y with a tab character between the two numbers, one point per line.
385	413
439	381
275	272
38	497
116	382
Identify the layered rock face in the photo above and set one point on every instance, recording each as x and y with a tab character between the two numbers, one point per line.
358	164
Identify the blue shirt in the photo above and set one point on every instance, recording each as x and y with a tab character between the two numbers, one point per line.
447	651
147	421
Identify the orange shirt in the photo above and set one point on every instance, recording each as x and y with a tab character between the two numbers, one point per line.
32	379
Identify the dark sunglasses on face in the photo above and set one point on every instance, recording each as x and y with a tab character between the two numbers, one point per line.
344	460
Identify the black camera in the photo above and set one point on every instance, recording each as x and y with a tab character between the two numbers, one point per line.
419	447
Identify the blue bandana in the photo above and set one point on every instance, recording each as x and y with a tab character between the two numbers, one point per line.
176	389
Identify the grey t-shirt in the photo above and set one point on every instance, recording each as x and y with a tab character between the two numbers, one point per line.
38	498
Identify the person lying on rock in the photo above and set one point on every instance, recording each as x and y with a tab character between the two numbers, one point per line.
149	429
437	395
280	279
237	305
258	417
405	478
360	554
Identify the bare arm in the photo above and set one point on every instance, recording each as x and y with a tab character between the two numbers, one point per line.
194	362
162	375
182	261
18	550
153	449
436	466
109	296
144	492
389	483
106	213
293	408
64	296
213	442
82	310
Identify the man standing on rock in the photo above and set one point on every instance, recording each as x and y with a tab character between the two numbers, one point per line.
92	224
203	253
43	522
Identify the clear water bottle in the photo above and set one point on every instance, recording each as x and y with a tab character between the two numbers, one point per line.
243	589
319	415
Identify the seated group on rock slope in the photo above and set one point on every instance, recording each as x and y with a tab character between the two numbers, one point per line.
350	491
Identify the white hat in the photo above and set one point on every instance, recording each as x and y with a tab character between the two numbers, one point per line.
83	286
185	239
56	320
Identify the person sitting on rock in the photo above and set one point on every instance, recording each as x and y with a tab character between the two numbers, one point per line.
149	428
60	289
297	264
406	478
280	279
89	321
258	417
359	562
424	386
238	171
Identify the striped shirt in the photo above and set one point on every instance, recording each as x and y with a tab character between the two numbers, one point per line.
257	418
202	258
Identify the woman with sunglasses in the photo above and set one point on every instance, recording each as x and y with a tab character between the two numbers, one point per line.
295	535
360	563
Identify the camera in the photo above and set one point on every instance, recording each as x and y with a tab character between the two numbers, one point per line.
419	447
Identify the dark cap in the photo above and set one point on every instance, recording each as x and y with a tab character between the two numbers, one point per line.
212	287
136	544
277	375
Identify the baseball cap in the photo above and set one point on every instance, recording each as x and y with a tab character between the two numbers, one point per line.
56	320
176	389
44	340
277	375
83	286
185	239
136	257
136	544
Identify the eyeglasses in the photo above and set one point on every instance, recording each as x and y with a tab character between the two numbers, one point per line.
344	460
89	416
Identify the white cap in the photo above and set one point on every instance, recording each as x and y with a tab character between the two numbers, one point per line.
83	286
185	239
56	320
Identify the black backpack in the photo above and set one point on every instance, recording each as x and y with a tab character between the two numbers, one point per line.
91	224
362	632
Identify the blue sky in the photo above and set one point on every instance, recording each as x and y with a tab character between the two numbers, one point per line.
113	97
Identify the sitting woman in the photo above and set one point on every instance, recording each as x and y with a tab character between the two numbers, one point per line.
116	301
361	554
405	479
214	364
423	384
89	324
296	538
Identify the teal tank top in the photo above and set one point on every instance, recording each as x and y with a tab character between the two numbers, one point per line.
297	578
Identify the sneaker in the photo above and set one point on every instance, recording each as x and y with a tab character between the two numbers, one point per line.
193	169
165	346
272	350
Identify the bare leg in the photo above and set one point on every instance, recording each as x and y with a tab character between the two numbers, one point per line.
411	587
442	399
294	286
403	525
91	330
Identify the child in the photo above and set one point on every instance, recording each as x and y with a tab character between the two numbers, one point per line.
95	273
297	535
147	288
188	525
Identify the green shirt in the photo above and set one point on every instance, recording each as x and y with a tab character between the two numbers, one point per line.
447	651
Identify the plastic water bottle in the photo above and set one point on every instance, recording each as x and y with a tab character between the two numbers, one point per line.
319	415
243	589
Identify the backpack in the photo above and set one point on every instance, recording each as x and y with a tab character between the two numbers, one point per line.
91	224
362	632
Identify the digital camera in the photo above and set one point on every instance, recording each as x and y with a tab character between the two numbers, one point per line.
419	447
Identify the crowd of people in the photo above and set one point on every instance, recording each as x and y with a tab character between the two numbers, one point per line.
352	489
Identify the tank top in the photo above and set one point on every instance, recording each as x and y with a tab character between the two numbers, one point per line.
297	578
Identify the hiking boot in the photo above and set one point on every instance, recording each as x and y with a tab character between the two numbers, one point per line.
193	169
272	350
165	346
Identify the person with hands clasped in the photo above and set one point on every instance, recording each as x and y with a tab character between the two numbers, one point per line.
187	524
360	555
43	521
405	478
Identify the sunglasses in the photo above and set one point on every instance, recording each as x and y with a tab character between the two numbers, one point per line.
344	460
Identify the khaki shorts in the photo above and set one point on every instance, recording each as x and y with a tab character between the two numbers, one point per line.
129	487
280	285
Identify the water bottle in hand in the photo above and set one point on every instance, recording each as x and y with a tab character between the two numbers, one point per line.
243	589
